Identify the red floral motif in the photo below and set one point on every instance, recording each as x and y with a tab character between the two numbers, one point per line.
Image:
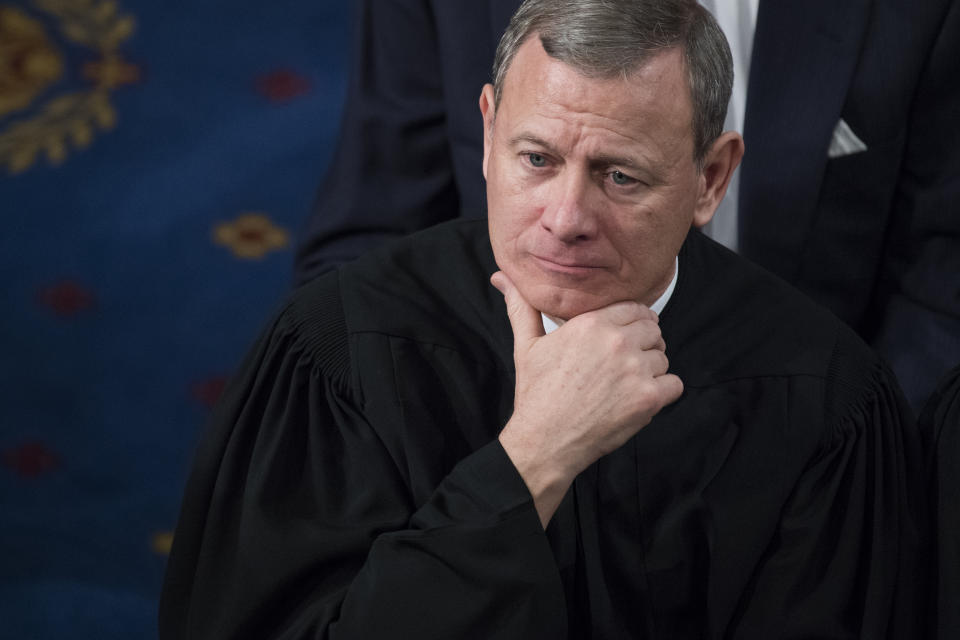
66	298
282	85
30	459
208	391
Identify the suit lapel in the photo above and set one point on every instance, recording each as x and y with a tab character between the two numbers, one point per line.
804	56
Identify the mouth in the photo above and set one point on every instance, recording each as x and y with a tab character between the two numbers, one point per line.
565	267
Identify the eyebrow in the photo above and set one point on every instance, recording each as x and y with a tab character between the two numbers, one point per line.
531	139
618	161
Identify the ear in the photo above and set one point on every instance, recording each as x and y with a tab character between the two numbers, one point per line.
488	110
723	157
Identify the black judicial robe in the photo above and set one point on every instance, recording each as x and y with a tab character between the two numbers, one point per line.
940	430
351	484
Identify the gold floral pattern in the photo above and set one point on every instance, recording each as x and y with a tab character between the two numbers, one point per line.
251	236
29	64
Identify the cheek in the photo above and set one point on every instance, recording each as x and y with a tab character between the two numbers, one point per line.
633	250
641	238
506	222
507	233
512	189
513	207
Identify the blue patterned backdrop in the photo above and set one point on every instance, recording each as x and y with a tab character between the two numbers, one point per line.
156	162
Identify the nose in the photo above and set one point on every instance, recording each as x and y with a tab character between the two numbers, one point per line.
568	214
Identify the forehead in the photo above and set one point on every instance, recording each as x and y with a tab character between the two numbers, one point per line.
649	105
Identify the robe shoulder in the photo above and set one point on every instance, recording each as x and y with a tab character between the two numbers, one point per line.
730	319
314	322
432	287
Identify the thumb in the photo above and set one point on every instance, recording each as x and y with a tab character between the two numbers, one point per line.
526	321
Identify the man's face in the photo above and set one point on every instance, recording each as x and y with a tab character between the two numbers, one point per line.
591	183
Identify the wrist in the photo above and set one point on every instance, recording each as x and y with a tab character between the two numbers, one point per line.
546	479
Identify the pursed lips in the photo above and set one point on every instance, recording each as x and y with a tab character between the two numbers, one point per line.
566	265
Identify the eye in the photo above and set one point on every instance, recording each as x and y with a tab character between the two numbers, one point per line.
620	178
536	160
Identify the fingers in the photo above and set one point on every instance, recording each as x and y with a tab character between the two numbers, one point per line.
624	313
659	344
625	325
526	321
670	388
649	337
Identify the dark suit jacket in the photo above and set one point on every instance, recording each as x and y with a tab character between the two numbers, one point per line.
871	235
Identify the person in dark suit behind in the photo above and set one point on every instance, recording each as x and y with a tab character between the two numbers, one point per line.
849	190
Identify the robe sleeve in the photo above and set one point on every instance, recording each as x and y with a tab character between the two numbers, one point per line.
297	524
847	559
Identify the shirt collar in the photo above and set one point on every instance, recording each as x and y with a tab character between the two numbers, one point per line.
549	325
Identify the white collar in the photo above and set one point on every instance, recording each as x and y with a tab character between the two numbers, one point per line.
549	325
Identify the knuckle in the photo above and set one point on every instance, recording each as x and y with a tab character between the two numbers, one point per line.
586	324
616	341
653	333
664	362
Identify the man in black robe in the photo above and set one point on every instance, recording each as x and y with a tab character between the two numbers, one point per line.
407	453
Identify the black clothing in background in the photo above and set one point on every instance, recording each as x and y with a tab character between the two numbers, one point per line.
940	427
351	484
873	236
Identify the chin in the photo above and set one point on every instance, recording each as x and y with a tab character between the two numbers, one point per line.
562	304
557	295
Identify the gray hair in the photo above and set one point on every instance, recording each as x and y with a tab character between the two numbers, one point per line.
606	38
